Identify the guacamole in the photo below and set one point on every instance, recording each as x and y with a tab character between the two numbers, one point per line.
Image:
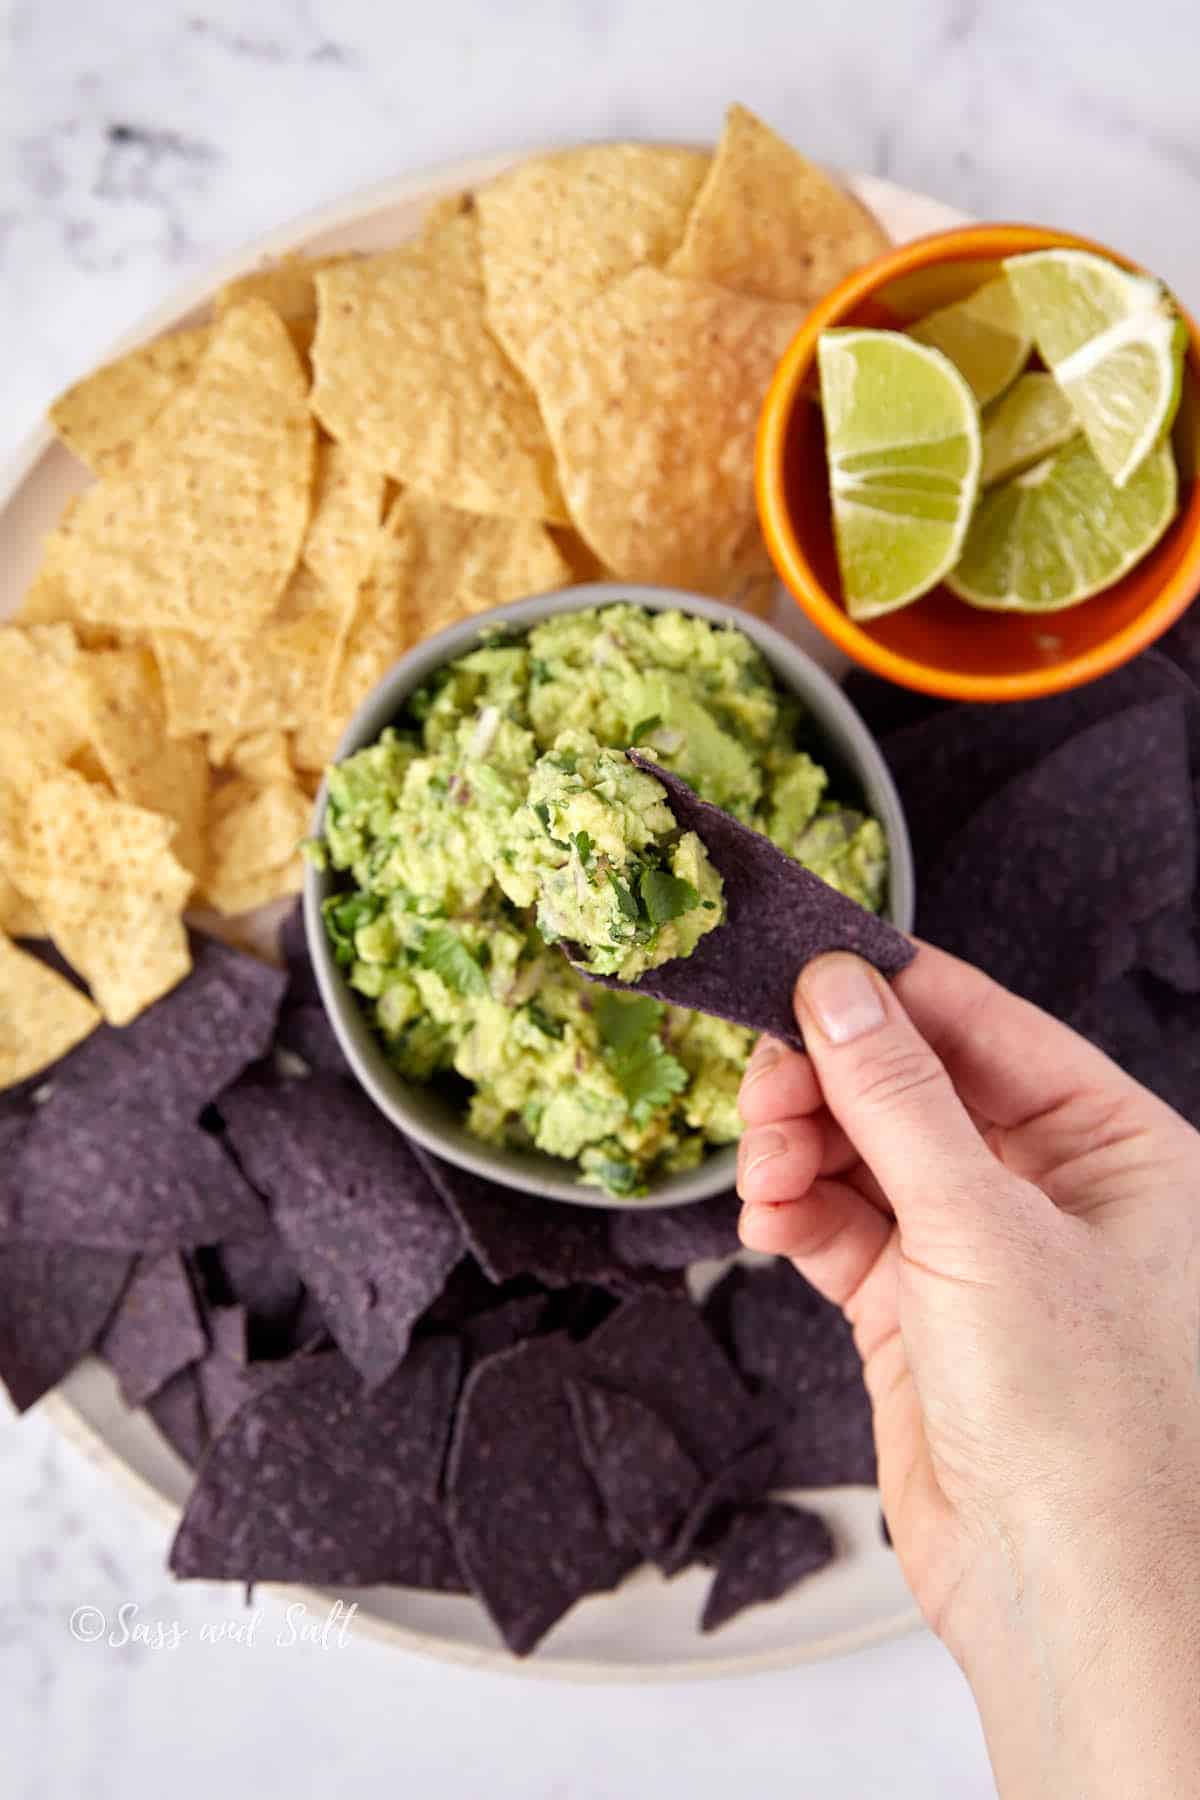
597	848
499	818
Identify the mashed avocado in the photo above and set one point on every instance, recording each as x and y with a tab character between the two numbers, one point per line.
597	848
500	817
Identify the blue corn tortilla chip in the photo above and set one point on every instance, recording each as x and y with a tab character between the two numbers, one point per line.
579	1310
226	1378
178	1054
646	1479
1168	947
155	1331
113	1173
1049	883
314	1479
512	1234
1153	1033
305	1031
259	1274
499	1327
15	1115
747	1479
368	1232
226	1326
885	708
304	1028
948	766
769	1548
778	917
795	1348
525	1517
468	1290
178	1411
111	1156
55	1301
672	1237
293	947
659	1350
1182	643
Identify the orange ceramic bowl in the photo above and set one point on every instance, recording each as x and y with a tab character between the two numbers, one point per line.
940	645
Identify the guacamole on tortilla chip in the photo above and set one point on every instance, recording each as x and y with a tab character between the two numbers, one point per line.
500	819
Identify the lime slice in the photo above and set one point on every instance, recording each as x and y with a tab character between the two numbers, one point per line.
1062	531
1114	344
1024	425
902	439
984	336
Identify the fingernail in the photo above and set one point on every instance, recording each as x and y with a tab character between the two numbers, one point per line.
759	1147
841	995
766	1054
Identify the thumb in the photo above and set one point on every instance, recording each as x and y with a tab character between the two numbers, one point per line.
891	1094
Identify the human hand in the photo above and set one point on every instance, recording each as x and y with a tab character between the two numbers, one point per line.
1012	1227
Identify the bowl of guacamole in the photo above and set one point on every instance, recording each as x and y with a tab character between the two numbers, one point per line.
480	811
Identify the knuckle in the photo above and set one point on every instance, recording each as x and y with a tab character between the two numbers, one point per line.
896	1075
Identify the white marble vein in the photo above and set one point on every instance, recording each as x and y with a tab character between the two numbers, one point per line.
140	140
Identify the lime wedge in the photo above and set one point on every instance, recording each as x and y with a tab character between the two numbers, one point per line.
1024	425
1114	344
1062	531
984	336
902	439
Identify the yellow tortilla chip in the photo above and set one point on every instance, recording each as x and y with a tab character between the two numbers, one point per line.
651	394
435	564
769	222
287	286
579	556
261	756
42	1015
313	747
201	527
339	545
407	377
126	723
254	843
111	895
440	212
18	916
105	413
557	230
85	762
275	680
49	600
42	721
41	715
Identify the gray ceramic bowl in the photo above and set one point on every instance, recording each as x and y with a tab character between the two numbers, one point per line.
421	1111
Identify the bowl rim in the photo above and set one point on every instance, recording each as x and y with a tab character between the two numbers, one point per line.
960	243
837	720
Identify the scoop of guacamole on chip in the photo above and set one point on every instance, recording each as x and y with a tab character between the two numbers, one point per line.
500	823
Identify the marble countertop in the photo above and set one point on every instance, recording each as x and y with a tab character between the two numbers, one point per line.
139	142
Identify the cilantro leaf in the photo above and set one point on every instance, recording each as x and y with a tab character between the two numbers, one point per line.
644	727
616	1176
542	814
545	1022
649	1077
626	1022
647	1074
343	914
666	896
582	841
444	952
625	899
